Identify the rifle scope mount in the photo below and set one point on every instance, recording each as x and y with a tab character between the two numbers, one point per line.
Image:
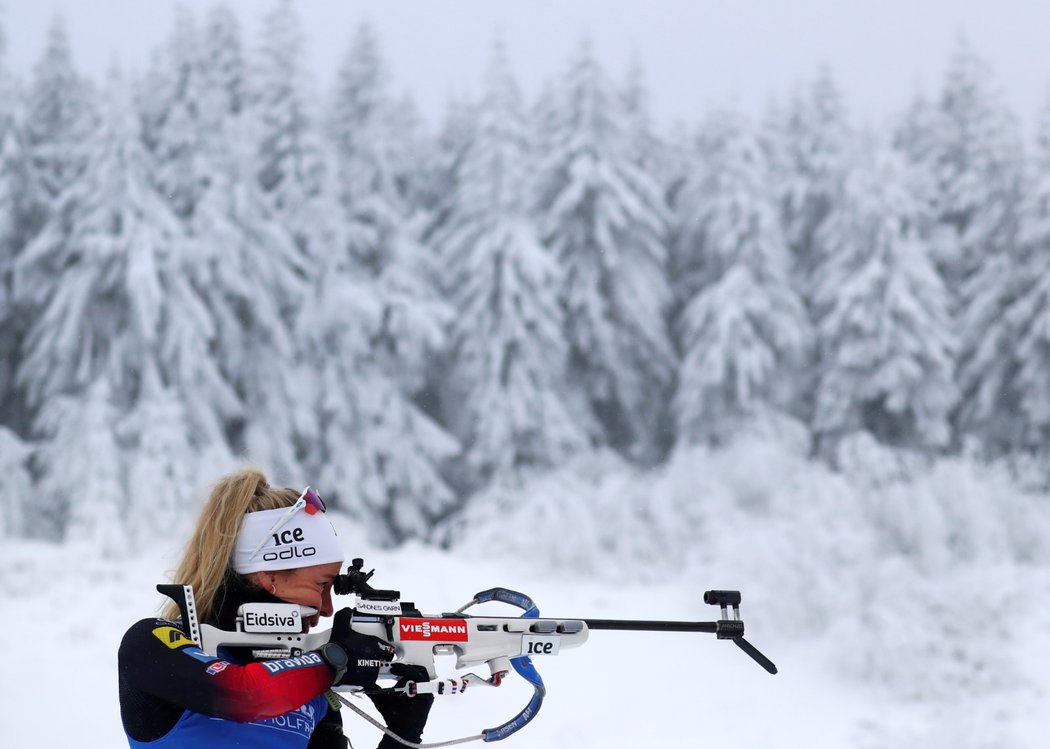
355	582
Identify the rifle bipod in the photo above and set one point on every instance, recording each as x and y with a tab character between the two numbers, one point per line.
724	629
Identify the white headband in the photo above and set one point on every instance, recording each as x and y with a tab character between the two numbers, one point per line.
302	540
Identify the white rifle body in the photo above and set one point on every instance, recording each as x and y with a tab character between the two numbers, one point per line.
275	629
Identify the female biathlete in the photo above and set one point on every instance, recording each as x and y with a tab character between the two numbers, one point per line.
174	695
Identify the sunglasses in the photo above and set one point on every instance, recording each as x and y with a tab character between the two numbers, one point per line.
309	500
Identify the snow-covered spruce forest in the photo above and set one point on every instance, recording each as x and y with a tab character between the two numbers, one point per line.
803	354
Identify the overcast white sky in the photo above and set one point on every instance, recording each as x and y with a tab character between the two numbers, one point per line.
695	52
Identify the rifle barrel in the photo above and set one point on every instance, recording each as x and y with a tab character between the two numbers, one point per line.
651	625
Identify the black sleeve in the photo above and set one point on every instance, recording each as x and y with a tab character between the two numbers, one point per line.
406	716
162	673
329	732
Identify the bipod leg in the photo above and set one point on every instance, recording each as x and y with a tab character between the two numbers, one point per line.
751	650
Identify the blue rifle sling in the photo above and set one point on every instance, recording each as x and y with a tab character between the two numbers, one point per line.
522	664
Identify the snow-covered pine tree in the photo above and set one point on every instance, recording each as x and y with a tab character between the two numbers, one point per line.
170	101
158	455
412	328
94	271
444	161
976	159
58	122
1029	312
915	138
81	493
60	116
884	331
371	325
365	328
743	330
809	145
650	153
291	162
979	175
41	159
13	165
606	222
249	272
415	144
663	156
291	171
812	145
22	204
10	151
21	196
637	110
374	152
16	485
505	393
104	276
361	126
390	349
544	116
225	70
376	451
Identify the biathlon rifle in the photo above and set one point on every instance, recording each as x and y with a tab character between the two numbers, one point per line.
275	630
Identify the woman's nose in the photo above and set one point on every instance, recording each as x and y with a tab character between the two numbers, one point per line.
327	609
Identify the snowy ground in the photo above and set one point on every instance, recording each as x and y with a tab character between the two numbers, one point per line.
65	613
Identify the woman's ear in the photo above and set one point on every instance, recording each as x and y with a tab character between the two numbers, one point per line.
263	580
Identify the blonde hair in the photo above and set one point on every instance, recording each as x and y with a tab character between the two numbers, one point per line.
206	559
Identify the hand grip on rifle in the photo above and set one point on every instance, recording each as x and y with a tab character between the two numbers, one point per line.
366	654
